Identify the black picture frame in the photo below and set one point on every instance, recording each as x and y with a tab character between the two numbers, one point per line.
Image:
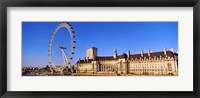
99	3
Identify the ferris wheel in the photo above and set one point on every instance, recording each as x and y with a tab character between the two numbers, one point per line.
67	59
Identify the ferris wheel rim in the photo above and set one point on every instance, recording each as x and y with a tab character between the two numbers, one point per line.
72	42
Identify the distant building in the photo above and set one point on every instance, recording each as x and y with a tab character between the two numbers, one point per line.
91	53
150	63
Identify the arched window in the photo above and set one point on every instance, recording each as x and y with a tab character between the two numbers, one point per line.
169	66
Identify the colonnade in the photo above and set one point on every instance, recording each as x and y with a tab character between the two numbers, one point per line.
106	68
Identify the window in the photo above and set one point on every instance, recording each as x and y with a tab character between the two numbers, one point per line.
169	66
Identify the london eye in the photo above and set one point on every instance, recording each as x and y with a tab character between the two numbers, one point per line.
68	59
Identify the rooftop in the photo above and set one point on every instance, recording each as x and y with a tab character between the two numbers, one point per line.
132	56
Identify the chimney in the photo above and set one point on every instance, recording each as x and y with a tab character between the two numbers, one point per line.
79	60
85	59
149	52
165	51
128	53
142	53
172	50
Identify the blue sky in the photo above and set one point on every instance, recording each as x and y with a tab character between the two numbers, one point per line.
133	36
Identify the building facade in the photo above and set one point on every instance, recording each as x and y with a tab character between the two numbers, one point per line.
151	63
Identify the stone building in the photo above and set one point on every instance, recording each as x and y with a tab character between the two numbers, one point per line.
150	63
91	53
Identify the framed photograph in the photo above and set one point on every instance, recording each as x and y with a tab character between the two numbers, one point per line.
74	48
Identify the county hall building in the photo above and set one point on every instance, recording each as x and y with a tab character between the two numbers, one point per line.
150	63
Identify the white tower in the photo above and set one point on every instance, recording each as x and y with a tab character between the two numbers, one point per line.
91	53
115	53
